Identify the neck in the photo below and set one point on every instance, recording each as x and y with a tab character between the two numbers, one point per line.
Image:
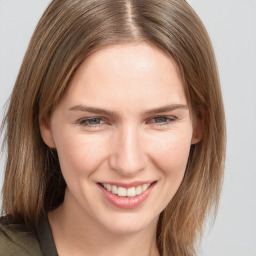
77	233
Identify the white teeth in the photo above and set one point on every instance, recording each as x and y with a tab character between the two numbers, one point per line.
145	186
122	191
138	190
129	192
114	190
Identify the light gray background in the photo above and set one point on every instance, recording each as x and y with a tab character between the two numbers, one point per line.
232	28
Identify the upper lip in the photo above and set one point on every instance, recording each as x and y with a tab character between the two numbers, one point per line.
128	185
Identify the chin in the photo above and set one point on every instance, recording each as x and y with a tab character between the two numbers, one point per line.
129	223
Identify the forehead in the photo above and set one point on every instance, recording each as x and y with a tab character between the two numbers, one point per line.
136	74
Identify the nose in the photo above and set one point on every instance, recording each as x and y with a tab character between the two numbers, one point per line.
128	157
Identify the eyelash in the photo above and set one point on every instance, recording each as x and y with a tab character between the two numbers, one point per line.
170	120
84	121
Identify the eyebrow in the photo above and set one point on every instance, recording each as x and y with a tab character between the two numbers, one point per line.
92	110
101	111
166	109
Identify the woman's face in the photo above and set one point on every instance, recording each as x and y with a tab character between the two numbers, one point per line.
123	134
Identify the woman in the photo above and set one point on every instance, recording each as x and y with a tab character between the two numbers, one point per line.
115	132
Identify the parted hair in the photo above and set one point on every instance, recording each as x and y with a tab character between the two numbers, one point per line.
67	33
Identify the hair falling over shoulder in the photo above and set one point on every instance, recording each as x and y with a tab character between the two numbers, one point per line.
66	34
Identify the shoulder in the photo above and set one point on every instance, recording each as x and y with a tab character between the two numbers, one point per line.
15	239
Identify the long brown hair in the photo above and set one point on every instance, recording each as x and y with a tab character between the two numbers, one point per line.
67	33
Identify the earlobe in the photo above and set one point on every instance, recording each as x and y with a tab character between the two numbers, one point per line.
198	129
46	132
196	138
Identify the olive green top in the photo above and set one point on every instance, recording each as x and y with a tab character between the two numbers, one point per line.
16	240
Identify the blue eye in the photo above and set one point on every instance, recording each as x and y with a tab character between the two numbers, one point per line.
163	120
97	122
91	122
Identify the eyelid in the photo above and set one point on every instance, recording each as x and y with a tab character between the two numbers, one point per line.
81	121
85	119
170	120
164	116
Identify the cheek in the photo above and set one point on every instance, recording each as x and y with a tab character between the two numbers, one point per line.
170	152
79	154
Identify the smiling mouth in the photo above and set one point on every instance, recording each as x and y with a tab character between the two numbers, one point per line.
127	192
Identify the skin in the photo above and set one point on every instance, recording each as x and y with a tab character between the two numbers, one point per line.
129	145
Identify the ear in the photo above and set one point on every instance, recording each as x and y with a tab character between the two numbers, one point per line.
198	128
46	131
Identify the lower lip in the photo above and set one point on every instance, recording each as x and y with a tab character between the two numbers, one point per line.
126	202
